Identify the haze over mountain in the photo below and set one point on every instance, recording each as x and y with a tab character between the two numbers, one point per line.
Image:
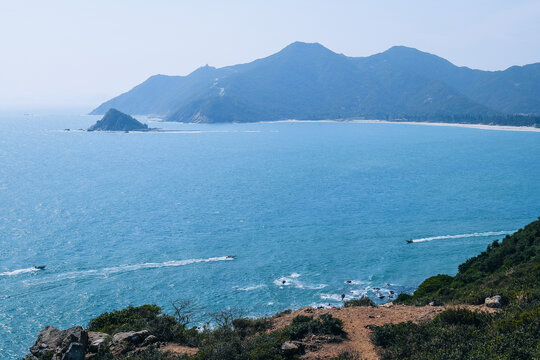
308	81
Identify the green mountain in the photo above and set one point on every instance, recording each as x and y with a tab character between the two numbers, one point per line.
309	81
115	120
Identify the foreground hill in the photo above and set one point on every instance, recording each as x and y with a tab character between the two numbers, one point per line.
309	81
508	328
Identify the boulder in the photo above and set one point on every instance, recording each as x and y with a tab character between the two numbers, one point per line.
494	301
75	351
51	341
124	341
96	340
290	348
151	339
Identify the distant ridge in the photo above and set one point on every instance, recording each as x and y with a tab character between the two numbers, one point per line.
307	81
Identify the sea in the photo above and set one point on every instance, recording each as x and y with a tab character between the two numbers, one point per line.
256	217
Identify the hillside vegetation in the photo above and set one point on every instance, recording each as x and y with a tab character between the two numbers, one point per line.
510	268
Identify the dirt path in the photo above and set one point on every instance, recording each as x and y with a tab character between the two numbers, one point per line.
357	321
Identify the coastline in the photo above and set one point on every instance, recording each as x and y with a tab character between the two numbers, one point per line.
471	126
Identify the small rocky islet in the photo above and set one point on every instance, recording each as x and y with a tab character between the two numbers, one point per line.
115	120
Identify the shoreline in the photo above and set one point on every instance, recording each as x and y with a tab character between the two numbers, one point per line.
471	126
353	121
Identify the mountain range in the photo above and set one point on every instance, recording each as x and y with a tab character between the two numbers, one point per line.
307	81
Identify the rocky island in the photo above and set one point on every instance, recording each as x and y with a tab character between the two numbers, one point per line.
115	120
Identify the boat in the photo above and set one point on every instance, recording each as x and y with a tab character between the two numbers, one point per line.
409	241
231	257
39	267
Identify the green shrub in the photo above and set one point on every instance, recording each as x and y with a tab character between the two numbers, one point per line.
302	326
247	327
128	319
461	316
463	334
363	301
432	285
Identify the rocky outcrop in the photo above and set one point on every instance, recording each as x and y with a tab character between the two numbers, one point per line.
74	352
291	348
60	344
115	120
77	344
96	340
126	341
494	301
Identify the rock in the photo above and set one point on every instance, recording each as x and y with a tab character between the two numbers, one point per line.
96	340
388	304
138	337
30	357
51	341
74	352
124	341
494	301
290	348
151	339
432	303
115	120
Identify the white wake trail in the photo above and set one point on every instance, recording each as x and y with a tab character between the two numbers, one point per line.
19	271
461	236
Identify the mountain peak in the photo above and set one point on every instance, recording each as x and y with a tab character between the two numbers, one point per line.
304	48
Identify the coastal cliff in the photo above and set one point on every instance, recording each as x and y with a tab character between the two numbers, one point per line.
489	309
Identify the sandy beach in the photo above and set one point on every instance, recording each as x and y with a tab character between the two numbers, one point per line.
472	126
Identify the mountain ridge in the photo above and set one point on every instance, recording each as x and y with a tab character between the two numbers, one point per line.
308	81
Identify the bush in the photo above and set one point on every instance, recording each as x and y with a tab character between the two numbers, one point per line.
302	326
463	334
432	285
363	301
247	327
461	316
128	319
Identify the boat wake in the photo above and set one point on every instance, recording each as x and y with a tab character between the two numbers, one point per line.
462	236
122	268
19	271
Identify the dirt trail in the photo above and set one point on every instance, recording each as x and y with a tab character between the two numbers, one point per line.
357	321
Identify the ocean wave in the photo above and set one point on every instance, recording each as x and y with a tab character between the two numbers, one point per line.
19	271
461	236
292	280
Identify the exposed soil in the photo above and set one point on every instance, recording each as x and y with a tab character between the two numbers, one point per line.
357	323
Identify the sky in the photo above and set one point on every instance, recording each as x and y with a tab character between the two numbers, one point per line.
77	54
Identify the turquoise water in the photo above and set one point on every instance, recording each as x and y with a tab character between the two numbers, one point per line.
134	218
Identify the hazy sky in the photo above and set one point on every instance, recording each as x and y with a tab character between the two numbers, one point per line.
74	53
